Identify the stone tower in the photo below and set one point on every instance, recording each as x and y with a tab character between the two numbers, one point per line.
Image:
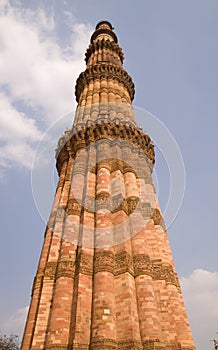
106	277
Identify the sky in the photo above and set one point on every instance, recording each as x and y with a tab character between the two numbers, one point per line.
171	53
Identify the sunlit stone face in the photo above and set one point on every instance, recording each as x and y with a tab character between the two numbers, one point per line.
104	36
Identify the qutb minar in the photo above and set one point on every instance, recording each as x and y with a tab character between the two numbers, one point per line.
106	277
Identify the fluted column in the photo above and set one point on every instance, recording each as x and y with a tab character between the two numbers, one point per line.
103	334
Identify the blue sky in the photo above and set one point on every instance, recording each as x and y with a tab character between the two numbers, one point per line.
171	52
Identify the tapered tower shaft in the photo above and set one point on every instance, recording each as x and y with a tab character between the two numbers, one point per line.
106	277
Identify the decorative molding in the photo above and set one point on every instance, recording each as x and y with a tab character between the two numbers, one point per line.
108	344
102	196
152	213
152	344
130	344
104	30
116	164
103	344
104	261
138	265
104	71
55	347
84	263
73	207
60	214
132	204
165	272
123	263
156	344
38	280
104	44
157	217
74	141
79	346
117	203
142	265
44	274
104	201
104	24
66	268
50	270
104	163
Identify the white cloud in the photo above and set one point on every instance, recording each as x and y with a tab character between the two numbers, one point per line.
15	323
200	291
15	124
18	134
37	77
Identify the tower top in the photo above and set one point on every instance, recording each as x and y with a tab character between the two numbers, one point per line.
103	24
104	62
104	30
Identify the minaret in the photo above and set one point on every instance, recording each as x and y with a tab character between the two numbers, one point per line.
106	277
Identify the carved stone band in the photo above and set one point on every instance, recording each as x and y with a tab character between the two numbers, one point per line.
121	345
104	44
71	142
106	260
104	71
